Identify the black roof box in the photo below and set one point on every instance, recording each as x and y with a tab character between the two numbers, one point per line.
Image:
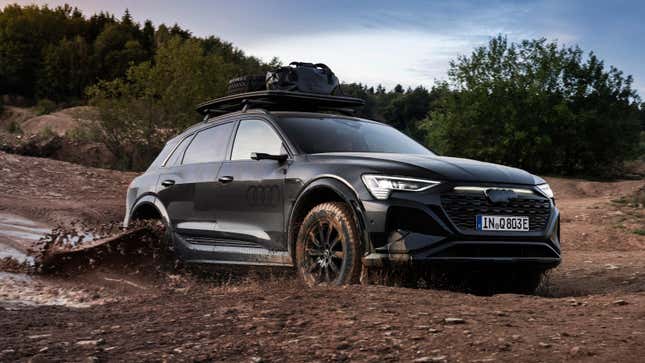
276	100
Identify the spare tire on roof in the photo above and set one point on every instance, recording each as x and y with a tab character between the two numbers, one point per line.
244	84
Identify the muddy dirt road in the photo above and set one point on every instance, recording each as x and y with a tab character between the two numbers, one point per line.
592	308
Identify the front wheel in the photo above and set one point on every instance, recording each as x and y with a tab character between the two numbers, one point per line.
328	246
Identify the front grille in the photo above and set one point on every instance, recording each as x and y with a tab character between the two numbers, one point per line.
463	207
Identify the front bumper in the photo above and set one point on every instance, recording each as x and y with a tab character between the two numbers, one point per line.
416	228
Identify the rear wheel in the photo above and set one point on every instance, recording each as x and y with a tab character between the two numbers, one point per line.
328	246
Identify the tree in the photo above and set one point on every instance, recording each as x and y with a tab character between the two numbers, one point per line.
538	106
66	70
24	32
116	48
157	99
37	42
148	38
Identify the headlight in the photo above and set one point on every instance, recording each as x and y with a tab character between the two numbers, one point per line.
381	186
546	189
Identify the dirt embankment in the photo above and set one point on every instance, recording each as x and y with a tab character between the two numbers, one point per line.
68	135
59	192
590	308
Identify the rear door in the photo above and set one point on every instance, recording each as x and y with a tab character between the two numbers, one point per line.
249	200
189	183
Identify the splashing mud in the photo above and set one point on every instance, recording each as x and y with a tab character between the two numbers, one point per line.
79	265
77	247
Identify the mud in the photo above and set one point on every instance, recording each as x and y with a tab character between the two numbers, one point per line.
128	301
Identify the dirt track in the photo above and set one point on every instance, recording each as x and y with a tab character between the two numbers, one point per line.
591	308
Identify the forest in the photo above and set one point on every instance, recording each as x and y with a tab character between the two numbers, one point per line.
535	104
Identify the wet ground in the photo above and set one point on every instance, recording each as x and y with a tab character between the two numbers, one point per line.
131	307
17	234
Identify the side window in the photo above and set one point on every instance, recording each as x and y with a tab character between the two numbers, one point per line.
175	158
208	145
170	146
255	136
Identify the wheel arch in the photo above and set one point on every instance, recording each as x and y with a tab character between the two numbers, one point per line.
147	207
321	190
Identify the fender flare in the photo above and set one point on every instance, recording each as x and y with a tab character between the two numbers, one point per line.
152	200
345	191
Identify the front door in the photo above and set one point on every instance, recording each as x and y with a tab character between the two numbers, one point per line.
249	201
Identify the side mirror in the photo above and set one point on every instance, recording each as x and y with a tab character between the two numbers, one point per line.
264	156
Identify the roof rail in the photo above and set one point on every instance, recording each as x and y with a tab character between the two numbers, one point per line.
275	100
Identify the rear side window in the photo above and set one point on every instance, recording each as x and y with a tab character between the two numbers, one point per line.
175	158
208	145
255	136
170	146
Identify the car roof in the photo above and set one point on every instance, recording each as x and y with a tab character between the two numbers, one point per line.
211	121
280	100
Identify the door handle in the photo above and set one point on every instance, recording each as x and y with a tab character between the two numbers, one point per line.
226	179
168	183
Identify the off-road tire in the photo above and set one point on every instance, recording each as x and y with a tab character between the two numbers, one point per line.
340	226
244	84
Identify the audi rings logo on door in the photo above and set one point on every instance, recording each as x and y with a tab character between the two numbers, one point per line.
265	196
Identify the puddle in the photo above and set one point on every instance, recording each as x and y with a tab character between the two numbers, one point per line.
17	234
12	225
18	291
70	250
19	256
19	231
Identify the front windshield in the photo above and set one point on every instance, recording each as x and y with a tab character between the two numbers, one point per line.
333	134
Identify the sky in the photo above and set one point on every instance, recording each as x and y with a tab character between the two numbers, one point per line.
390	42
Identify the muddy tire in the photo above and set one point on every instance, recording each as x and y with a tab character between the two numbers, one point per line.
328	248
246	84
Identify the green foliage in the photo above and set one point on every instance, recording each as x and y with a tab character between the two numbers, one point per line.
14	128
403	109
537	106
85	134
116	47
66	70
45	106
157	99
47	133
58	52
24	33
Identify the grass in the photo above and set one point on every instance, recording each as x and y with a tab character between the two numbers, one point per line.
47	132
640	232
84	134
45	107
14	128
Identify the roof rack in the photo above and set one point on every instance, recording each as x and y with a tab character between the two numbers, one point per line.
276	100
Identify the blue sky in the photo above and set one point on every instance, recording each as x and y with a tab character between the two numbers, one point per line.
389	42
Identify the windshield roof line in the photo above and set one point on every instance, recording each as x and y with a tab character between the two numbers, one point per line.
377	136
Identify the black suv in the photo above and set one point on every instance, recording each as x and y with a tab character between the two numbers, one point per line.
291	180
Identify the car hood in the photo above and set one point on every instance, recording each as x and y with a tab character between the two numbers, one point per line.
452	169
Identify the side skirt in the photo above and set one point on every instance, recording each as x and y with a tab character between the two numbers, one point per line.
228	252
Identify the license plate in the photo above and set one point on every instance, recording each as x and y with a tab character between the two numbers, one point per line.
502	223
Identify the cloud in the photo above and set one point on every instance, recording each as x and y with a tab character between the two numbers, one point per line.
410	43
383	57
